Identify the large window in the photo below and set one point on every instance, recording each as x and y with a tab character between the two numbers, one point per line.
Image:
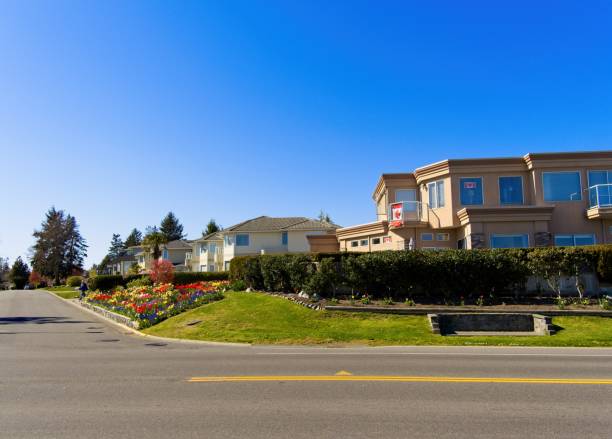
600	188
165	254
562	186
284	238
242	240
511	190
600	177
471	191
436	194
574	240
212	247
405	195
427	236
509	241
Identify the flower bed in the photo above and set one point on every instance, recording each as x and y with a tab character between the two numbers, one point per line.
149	305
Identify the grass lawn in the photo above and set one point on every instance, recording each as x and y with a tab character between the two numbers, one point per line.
64	292
263	319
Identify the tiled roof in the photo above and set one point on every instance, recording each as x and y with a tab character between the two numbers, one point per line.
179	244
216	236
269	224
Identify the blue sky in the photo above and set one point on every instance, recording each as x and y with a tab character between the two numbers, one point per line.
118	112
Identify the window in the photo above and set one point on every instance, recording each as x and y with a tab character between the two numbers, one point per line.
426	236
364	242
471	191
600	177
387	239
436	194
228	240
405	195
202	267
562	186
211	267
165	254
212	247
375	241
284	238
573	240
188	255
442	236
511	190
600	188
203	248
242	240
354	243
509	241
227	265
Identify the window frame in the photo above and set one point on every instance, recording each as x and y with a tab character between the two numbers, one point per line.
354	244
363	242
499	192
507	235
427	233
482	191
447	234
376	241
435	185
573	238
416	195
562	172
242	235
284	238
608	171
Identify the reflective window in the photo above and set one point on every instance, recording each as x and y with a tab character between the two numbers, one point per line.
509	241
574	240
405	195
354	243
426	236
600	177
471	191
442	236
364	242
436	194
511	190
375	241
561	186
242	240
284	238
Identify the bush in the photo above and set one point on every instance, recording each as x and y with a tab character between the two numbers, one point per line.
238	285
237	267
189	277
143	281
106	282
162	271
74	281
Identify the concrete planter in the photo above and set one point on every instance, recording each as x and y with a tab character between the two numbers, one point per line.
490	324
111	315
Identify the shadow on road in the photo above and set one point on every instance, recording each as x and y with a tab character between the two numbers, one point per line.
38	320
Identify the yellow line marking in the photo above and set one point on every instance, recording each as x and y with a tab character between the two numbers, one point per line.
343	373
405	379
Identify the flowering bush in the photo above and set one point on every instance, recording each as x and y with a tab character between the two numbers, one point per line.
149	305
162	271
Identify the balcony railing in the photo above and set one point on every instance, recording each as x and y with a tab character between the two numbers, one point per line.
404	212
600	195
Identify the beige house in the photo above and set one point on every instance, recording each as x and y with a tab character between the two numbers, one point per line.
173	251
267	235
206	253
561	199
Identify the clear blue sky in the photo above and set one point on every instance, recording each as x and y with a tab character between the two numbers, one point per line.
118	112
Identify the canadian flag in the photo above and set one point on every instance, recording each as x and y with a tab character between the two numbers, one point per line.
469	184
397	213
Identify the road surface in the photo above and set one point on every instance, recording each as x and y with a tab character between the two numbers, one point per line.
65	373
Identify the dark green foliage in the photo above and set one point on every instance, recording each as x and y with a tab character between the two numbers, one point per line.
106	282
211	227
19	274
134	238
325	279
275	272
188	277
117	247
140	282
171	228
299	269
604	262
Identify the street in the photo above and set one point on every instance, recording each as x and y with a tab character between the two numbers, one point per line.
65	373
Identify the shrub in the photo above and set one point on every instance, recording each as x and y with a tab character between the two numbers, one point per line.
252	273
604	262
238	267
105	282
143	281
35	279
189	277
275	272
238	285
161	271
325	279
74	281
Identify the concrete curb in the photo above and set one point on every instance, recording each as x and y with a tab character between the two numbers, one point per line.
134	331
466	310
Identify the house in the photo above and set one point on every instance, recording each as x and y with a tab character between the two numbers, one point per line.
207	253
540	200
173	251
121	265
261	235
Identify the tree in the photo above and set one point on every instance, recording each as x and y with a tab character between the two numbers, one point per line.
324	216
4	272
171	228
35	279
59	249
211	227
117	247
161	271
134	238
152	242
19	274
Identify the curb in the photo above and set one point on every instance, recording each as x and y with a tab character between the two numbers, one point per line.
134	331
465	310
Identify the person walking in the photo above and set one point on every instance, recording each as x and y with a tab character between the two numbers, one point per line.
83	288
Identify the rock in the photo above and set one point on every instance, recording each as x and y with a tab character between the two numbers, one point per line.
249	290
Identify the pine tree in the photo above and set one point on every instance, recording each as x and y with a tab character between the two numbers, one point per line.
324	216
59	249
117	247
19	274
4	272
134	238
171	228
211	227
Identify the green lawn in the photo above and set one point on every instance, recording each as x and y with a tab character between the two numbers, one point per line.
263	319
63	291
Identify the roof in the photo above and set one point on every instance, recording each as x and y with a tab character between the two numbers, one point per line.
270	224
124	258
216	236
178	244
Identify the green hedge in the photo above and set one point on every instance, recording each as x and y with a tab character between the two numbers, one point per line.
439	275
74	281
188	277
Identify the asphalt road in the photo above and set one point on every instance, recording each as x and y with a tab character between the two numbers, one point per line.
65	373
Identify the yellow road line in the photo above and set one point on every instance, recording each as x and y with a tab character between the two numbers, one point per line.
405	379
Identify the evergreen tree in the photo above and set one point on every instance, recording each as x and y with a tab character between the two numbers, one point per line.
4	272
117	247
211	227
324	216
59	249
134	238
171	228
19	274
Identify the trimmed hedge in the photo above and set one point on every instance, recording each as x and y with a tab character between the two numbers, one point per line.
188	277
74	281
439	275
107	282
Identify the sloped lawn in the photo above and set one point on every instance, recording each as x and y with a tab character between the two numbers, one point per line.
263	319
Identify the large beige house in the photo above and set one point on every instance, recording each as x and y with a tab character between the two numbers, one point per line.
561	199
261	235
178	252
